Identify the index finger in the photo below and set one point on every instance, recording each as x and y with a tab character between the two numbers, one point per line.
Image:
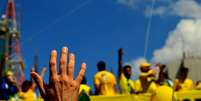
42	73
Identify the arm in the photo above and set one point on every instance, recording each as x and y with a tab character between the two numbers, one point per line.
176	85
62	86
97	85
120	68
97	90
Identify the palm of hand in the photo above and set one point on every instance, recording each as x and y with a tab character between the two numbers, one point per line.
63	86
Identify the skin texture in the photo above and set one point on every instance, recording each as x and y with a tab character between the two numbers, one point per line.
42	73
127	72
62	86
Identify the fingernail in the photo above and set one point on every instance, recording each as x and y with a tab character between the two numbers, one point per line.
84	64
65	47
72	55
54	51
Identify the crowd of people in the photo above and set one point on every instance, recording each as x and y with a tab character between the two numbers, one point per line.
62	85
153	79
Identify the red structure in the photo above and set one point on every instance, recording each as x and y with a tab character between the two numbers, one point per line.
12	59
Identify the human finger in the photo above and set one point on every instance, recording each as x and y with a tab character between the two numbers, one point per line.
63	61
81	73
43	72
71	65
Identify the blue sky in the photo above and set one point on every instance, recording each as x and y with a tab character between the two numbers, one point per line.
92	29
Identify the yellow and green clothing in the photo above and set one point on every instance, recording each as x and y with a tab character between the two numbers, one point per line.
126	85
139	88
85	88
27	96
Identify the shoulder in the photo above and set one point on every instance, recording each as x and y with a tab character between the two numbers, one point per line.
111	74
88	87
188	81
98	73
108	73
122	77
84	86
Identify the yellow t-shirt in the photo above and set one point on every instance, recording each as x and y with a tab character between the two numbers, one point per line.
126	85
186	85
28	96
84	87
139	88
106	81
163	93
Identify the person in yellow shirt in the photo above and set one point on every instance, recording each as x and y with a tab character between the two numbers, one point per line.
146	82
163	93
125	81
84	87
27	93
183	83
164	90
28	88
145	68
104	81
144	85
163	78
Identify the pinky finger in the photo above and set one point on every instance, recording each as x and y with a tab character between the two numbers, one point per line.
81	73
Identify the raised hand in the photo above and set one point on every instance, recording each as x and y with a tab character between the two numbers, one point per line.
62	86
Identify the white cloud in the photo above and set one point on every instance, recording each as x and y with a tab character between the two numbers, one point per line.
186	36
182	8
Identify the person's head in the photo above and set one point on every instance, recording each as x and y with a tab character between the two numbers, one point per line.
184	73
26	85
84	80
101	65
9	76
127	71
162	67
145	67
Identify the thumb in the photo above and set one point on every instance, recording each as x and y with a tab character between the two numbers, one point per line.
39	82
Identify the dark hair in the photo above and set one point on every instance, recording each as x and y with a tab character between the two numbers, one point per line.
163	66
101	65
125	67
184	70
26	85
